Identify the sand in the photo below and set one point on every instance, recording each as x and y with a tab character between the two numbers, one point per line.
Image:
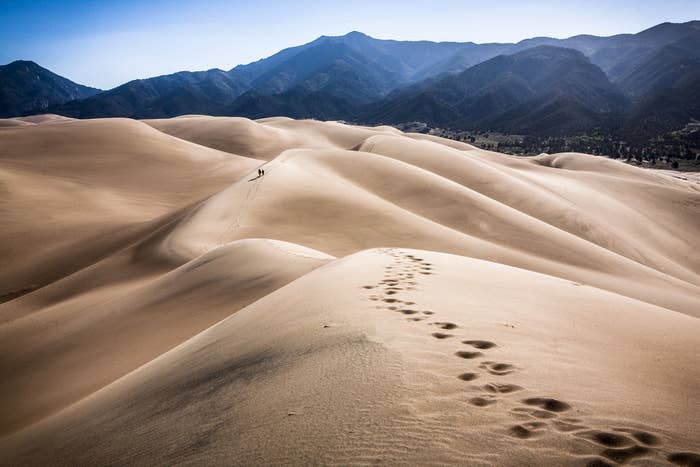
376	297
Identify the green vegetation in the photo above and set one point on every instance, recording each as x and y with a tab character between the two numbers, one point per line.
679	150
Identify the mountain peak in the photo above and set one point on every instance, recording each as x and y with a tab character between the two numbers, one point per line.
670	31
352	35
18	63
356	34
27	87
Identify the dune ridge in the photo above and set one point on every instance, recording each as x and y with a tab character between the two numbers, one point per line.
375	297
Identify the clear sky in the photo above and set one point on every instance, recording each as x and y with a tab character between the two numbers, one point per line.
108	42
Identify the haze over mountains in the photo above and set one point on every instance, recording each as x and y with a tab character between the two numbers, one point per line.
639	85
542	89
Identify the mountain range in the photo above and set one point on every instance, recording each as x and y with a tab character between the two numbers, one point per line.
27	88
639	85
544	88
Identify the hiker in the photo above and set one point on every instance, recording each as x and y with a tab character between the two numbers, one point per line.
259	173
263	171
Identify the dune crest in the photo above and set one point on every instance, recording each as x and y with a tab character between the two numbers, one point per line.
374	297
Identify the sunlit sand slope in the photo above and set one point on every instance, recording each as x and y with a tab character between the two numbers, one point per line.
375	297
400	356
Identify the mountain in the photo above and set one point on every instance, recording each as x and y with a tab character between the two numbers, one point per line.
359	78
617	55
406	61
543	89
666	89
26	87
672	66
340	77
466	56
349	71
333	77
294	103
334	68
180	93
626	52
205	92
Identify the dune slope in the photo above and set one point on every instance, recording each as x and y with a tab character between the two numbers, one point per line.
74	192
375	297
331	368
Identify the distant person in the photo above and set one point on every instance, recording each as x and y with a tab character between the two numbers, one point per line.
259	173
263	171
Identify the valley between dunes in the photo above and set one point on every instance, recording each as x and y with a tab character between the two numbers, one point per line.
377	297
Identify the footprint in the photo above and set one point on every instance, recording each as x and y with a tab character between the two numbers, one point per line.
547	403
408	312
428	312
498	369
441	335
642	436
467	354
526	430
501	388
481	401
480	344
368	286
468	376
391	300
685	458
607	439
446	325
390	292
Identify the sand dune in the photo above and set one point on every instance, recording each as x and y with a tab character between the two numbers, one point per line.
73	193
376	297
140	323
34	120
44	118
11	122
265	138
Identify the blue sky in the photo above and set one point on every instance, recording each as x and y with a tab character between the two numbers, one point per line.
108	42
